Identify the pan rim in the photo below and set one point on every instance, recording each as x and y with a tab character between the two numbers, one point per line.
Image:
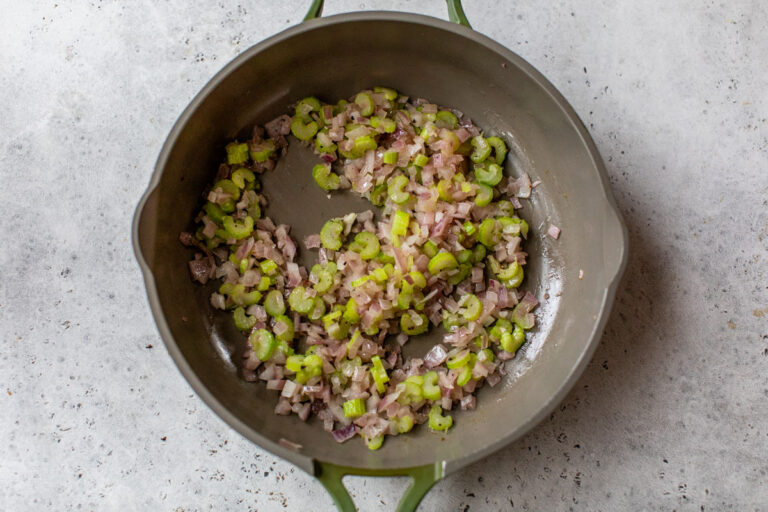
307	462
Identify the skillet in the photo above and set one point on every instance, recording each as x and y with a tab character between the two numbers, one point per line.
452	65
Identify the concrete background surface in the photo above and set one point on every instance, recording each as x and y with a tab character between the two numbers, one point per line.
672	413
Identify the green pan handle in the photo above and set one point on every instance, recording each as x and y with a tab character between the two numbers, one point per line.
455	12
424	477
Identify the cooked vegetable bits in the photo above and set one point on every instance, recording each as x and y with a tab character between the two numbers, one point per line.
447	251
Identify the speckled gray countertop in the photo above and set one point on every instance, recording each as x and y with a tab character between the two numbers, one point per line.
672	413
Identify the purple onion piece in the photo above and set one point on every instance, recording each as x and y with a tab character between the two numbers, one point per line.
345	434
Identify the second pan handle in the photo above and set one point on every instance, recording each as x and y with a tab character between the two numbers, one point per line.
423	478
455	12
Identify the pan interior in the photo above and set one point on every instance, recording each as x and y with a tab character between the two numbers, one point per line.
333	58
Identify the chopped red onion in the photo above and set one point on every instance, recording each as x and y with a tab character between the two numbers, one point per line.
244	249
281	125
218	301
521	187
503	355
290	388
346	433
269	372
283	407
252	362
359	374
522	315
451	305
436	356
290	444
493	379
368	349
266	224
210	227
463	209
303	412
200	269
462	134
